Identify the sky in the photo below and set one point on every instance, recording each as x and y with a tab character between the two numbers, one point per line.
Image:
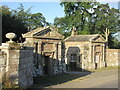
50	10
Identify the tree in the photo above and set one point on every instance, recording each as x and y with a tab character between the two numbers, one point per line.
63	26
20	21
88	18
114	43
105	18
11	24
37	20
77	14
106	22
31	21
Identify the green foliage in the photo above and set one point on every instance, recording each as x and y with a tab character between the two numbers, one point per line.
11	24
113	43
106	17
78	15
20	21
116	44
31	21
88	18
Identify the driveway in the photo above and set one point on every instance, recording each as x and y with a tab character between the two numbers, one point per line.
102	79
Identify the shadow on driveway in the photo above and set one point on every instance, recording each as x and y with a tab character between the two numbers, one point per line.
44	81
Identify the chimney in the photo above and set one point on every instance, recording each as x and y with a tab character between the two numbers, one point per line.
73	33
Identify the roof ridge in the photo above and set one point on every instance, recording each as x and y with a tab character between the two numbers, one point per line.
88	35
82	37
33	31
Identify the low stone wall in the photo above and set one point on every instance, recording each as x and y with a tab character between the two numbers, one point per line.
3	59
112	57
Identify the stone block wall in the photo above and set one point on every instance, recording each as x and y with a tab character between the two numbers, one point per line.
112	57
51	48
3	59
19	65
78	49
26	68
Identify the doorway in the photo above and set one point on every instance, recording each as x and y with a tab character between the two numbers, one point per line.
97	60
46	65
72	65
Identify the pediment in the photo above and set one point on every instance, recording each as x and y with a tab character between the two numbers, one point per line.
45	32
48	33
99	39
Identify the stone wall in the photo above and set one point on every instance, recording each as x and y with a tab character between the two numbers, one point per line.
112	57
47	47
2	65
86	53
78	49
26	67
19	64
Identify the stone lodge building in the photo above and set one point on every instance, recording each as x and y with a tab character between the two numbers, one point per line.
43	53
85	52
47	50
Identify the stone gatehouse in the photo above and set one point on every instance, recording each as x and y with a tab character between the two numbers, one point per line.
44	53
85	52
47	50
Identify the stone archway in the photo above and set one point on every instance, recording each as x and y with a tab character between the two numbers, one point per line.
73	59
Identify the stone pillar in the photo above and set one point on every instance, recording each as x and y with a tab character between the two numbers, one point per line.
90	56
35	54
101	57
19	65
39	53
39	46
56	51
104	62
5	48
93	56
84	64
55	67
66	59
59	51
39	60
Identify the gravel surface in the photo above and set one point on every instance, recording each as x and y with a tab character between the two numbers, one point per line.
102	79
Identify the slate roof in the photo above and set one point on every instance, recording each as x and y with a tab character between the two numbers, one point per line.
82	37
32	32
38	31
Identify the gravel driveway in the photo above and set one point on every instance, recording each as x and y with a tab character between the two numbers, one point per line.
102	79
